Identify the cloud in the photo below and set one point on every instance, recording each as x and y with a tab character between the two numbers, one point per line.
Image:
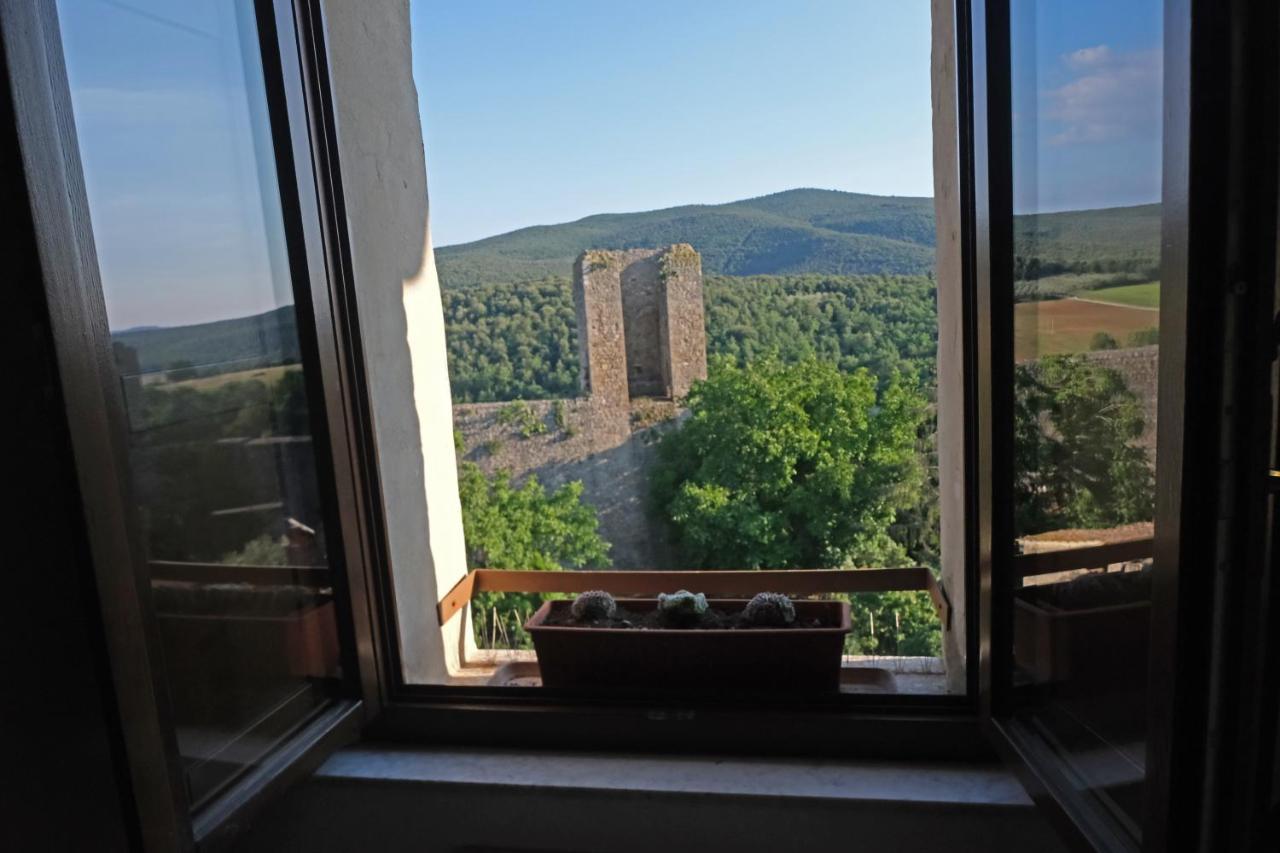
1112	95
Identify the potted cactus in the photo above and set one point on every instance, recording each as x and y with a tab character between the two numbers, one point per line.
688	641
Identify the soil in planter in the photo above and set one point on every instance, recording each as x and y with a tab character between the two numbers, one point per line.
713	619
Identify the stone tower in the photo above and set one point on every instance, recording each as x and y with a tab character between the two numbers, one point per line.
641	331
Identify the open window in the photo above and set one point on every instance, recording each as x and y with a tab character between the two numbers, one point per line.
1130	265
1070	367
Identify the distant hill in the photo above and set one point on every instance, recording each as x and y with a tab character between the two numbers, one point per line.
222	346
1115	236
797	231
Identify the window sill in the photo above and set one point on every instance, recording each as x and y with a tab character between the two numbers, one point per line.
932	783
918	676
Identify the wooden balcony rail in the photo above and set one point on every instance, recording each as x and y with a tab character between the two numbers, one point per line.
185	572
1092	557
737	584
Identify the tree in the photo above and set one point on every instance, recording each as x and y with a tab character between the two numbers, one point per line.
522	527
1103	341
790	465
1076	462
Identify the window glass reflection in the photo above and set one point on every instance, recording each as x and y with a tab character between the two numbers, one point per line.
1086	88
171	116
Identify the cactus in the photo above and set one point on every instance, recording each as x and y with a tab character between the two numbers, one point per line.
594	604
772	609
682	606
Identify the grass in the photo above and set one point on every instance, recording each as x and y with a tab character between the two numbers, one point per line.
268	376
1135	295
1068	325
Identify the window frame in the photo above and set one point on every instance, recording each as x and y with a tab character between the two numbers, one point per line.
1211	337
95	412
292	35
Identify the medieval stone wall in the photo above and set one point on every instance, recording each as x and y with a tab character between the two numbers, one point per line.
1140	367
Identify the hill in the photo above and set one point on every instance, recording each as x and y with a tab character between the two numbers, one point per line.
807	231
239	343
797	231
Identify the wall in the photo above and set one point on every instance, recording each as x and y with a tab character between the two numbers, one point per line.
401	317
608	448
1140	367
642	345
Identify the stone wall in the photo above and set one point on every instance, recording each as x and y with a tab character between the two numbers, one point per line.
1140	367
642	344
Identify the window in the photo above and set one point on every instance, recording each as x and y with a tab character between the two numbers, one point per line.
253	348
1086	92
740	375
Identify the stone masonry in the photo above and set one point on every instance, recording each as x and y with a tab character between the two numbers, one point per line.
642	345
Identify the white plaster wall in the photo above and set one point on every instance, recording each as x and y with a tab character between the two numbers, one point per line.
401	317
949	260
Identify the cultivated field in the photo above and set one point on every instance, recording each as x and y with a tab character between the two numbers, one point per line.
268	376
1068	325
1137	295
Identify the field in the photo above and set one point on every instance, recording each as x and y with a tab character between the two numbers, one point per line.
268	376
1137	295
1068	325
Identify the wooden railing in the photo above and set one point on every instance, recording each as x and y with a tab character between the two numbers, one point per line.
733	584
185	572
1092	557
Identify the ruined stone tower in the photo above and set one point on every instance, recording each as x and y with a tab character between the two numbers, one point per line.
642	344
640	323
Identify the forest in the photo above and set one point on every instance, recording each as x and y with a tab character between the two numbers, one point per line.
509	341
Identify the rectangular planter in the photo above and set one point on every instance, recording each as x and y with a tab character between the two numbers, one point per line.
749	659
1088	650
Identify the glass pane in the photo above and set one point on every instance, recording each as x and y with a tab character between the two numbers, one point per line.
171	114
1087	165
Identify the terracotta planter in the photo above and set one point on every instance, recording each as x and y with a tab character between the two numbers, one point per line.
749	659
212	659
1085	650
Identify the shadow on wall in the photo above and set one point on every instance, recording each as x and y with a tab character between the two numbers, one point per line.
616	482
401	316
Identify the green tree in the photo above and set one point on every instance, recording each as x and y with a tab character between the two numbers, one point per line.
1103	341
790	465
1076	460
894	623
522	527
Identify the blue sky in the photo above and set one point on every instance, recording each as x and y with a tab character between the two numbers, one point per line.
547	111
1086	103
540	112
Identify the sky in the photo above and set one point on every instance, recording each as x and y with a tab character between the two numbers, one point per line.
1087	79
544	111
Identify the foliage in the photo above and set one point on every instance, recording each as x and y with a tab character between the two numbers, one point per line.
1103	341
180	371
264	550
1145	337
521	415
522	527
894	623
790	465
190	448
510	342
1076	463
797	231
